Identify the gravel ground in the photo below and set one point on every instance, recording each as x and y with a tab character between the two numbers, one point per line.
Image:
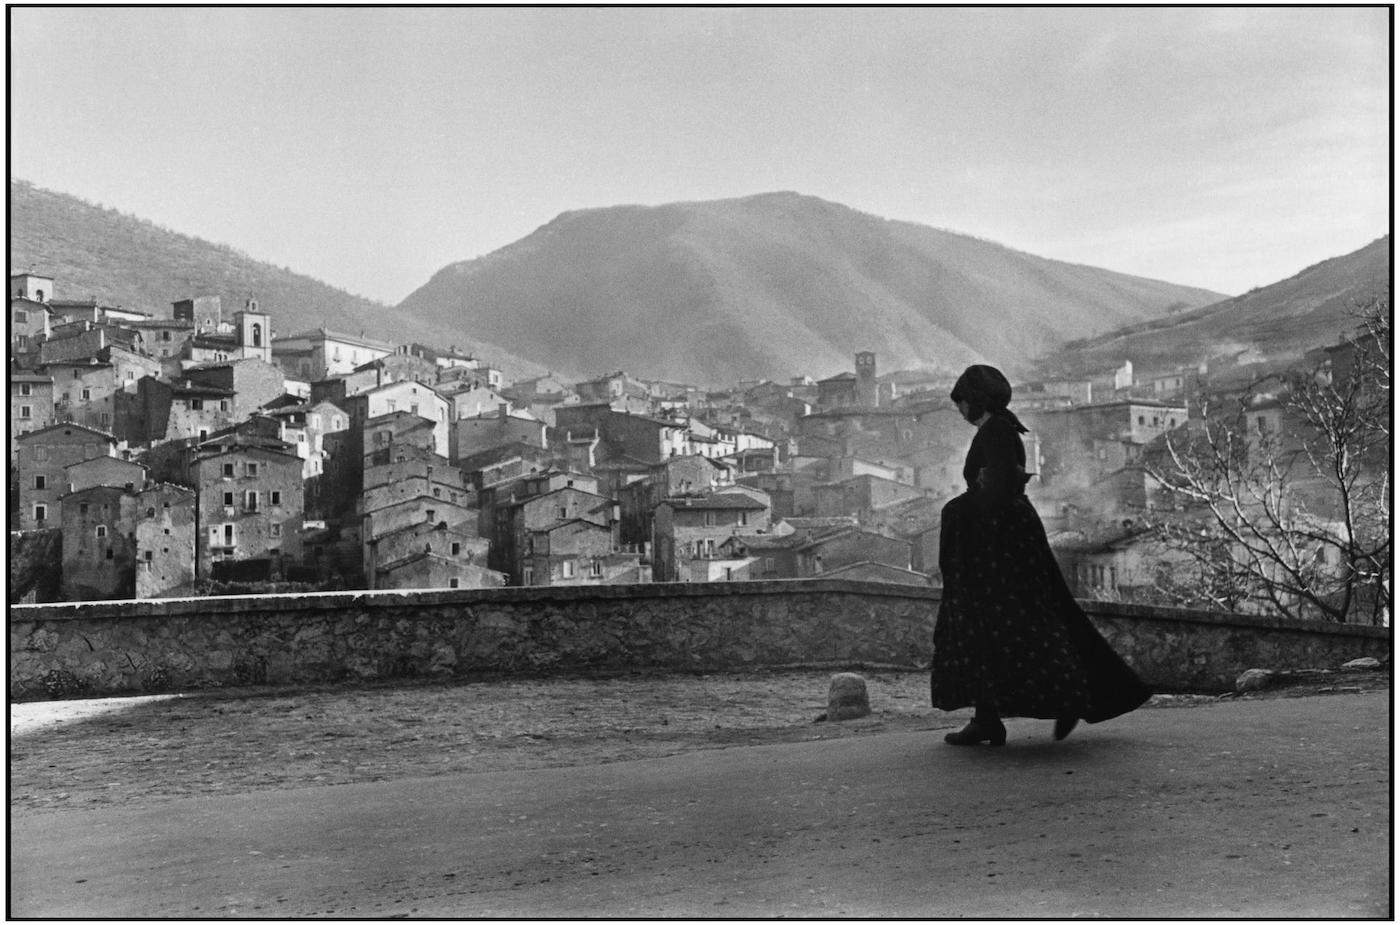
72	754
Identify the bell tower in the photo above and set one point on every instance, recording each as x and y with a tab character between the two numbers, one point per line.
254	330
867	390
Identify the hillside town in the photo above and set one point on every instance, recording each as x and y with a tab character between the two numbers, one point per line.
204	453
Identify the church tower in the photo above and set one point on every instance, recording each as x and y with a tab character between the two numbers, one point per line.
867	390
254	331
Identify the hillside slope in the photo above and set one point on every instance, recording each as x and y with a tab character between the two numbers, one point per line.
772	286
118	259
1282	321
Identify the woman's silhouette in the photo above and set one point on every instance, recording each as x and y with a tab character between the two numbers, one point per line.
1010	639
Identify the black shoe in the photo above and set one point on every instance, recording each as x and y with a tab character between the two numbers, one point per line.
975	732
1064	726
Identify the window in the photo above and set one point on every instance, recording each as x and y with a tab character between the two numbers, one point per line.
82	509
1141	420
101	531
456	549
276	530
228	470
41	513
223	404
228	534
569	568
563	512
709	549
437	492
87	394
21	317
454	582
110	553
392	404
257	335
274	498
432	514
26	411
528	575
165	336
743	518
413	407
196	404
26	389
595	568
252	469
709	518
41	453
150	513
228	499
250	501
150	555
41	482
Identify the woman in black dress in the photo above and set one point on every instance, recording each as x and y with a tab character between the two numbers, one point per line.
1010	639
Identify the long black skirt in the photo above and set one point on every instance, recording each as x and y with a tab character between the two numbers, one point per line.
1009	632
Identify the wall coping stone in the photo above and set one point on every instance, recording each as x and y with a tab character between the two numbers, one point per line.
331	600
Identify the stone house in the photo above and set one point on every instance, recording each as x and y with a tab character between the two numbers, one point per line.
253	382
470	400
501	427
164	338
319	354
111	471
678	475
837	391
203	314
249	501
690	530
417	509
879	571
861	495
430	570
165	539
99	544
42	459
30	321
31	404
179	410
521	525
622	435
415	398
833	550
577	552
391	558
505	463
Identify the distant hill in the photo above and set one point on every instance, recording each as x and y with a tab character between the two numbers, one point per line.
773	286
121	260
1282	321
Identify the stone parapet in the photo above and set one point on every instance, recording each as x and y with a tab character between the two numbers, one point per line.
127	647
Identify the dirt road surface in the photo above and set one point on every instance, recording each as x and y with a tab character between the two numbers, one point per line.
621	797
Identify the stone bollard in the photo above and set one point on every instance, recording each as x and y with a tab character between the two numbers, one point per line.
847	698
1253	679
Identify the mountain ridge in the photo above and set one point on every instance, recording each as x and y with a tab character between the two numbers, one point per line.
1281	320
774	285
98	252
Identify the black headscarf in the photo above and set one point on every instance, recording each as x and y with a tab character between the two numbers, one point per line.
984	388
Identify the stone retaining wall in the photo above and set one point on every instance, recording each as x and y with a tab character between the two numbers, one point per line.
123	647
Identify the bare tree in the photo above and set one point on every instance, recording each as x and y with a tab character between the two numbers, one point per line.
1293	520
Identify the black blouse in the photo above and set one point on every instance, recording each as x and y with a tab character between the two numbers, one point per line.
995	468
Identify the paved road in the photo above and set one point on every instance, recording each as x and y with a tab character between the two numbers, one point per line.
1271	808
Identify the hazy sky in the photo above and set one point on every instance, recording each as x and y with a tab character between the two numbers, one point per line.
1223	148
